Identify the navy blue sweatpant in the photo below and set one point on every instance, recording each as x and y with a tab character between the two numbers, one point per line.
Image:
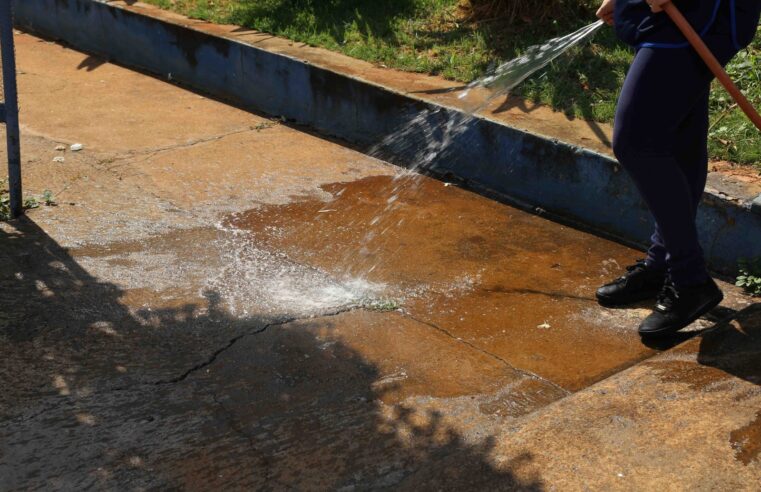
660	138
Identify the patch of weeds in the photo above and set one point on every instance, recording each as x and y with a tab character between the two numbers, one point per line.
265	125
732	136
380	305
30	202
750	276
5	212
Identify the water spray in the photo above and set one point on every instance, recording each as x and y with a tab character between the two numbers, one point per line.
509	75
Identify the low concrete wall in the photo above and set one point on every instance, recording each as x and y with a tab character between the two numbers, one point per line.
568	182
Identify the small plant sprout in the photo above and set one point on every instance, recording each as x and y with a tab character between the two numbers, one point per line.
750	276
265	125
381	305
48	198
30	202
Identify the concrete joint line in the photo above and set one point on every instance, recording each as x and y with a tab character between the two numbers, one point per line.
105	158
151	152
523	372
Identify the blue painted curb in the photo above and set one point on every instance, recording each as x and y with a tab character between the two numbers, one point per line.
568	182
756	205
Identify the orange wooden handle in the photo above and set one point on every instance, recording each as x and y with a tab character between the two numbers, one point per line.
712	62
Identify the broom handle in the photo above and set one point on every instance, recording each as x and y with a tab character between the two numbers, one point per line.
712	62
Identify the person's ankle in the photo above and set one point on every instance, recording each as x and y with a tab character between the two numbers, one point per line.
691	282
654	265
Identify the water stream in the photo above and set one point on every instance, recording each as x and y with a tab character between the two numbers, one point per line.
431	135
420	144
509	75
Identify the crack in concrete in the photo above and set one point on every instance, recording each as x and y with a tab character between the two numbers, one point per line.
523	372
187	373
215	355
151	152
210	360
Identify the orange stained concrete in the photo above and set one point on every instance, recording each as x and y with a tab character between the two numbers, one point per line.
516	285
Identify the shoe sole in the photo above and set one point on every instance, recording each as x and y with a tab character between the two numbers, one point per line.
705	308
610	302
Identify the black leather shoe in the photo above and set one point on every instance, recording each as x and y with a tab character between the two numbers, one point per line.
638	284
678	307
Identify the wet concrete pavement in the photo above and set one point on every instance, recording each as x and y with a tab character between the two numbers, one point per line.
220	300
512	284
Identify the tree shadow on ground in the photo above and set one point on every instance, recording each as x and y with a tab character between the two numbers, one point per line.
99	394
330	17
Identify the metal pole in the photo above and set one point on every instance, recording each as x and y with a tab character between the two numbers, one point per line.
11	107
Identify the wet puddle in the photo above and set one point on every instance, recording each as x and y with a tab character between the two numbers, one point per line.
503	280
746	441
414	231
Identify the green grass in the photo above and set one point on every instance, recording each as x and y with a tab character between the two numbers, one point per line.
431	36
750	276
733	137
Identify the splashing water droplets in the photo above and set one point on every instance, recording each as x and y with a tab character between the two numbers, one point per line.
256	281
509	75
256	278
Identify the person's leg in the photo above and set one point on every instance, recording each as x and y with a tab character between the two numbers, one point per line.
691	151
639	104
661	90
660	138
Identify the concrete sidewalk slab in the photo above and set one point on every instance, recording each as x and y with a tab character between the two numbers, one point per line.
218	309
86	100
686	420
